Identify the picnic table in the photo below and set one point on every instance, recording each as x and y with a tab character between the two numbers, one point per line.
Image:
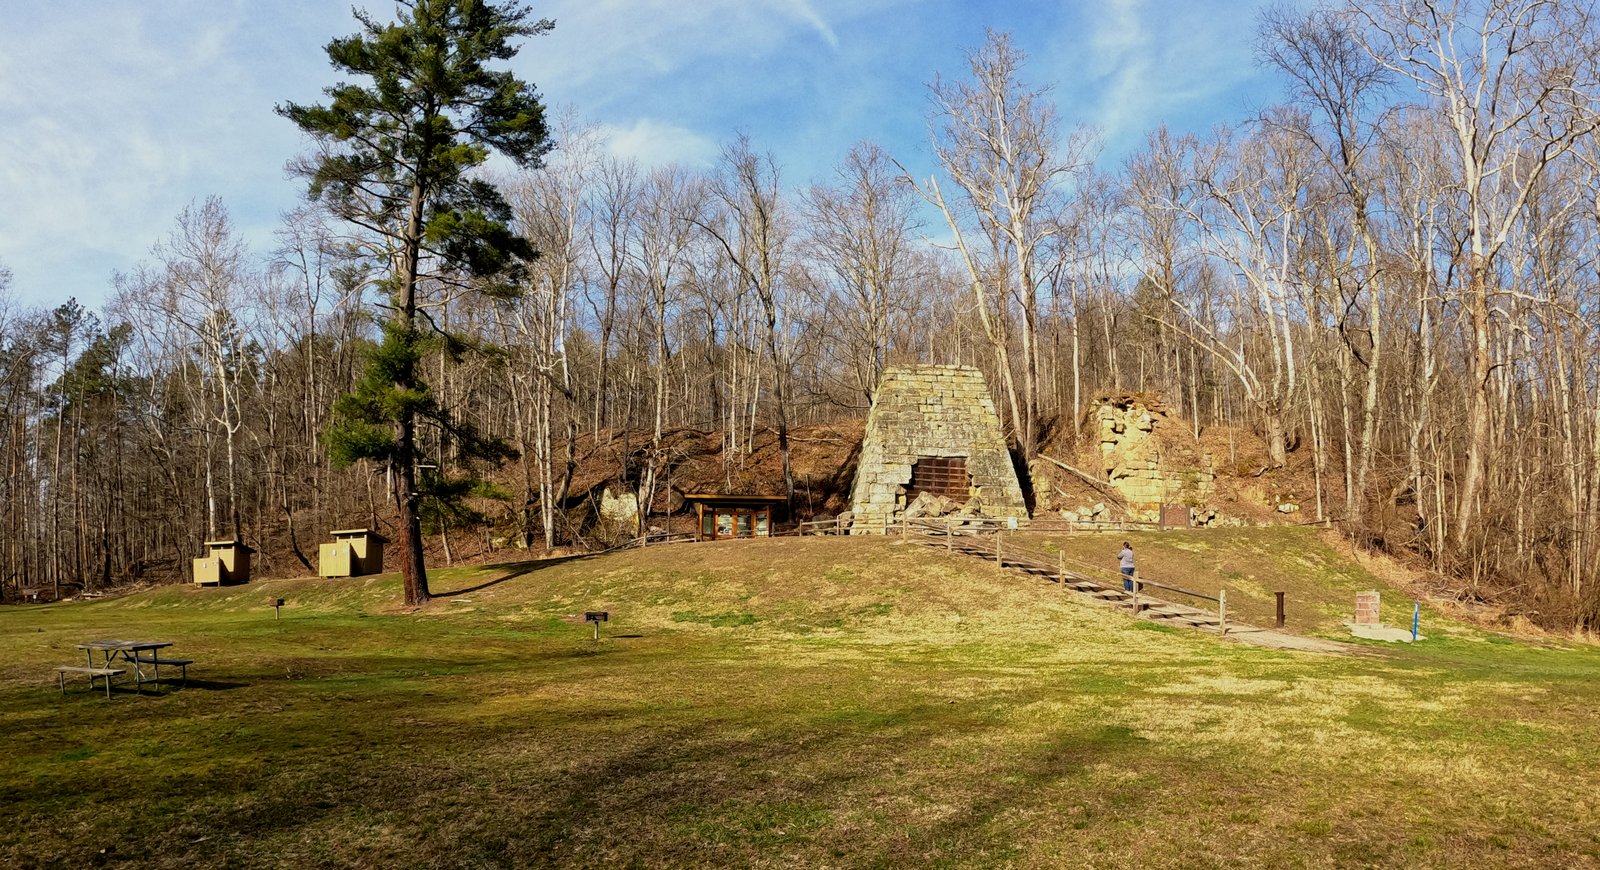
134	652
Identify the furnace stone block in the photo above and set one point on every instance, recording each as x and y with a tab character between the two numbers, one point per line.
933	429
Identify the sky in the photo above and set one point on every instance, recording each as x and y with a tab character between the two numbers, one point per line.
115	115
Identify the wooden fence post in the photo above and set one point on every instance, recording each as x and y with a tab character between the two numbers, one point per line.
1062	577
1222	610
997	534
949	535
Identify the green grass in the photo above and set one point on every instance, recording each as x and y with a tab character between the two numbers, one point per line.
808	703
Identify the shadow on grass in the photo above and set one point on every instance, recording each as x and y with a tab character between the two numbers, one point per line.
691	795
212	685
709	788
517	569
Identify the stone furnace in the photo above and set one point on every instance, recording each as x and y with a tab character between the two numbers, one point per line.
933	429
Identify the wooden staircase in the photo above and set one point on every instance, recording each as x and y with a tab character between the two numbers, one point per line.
1035	563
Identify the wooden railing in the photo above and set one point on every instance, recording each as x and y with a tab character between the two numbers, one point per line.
1009	552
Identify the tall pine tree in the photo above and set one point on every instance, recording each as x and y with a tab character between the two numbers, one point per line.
394	159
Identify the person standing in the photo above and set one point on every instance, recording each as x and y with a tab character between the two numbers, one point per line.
1125	559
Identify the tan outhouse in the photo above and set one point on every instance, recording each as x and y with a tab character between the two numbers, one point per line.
354	552
228	563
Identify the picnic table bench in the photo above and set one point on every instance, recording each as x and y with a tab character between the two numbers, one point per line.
137	653
94	673
181	664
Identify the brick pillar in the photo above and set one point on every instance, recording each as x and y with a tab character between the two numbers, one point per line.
1367	608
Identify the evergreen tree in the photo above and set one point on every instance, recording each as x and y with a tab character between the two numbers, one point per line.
394	159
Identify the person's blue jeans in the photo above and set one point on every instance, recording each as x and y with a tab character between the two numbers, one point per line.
1127	579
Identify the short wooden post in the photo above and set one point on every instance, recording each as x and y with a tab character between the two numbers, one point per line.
949	535
1222	610
905	527
1135	583
1062	576
997	534
1280	609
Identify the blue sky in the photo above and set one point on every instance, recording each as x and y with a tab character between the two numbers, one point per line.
114	115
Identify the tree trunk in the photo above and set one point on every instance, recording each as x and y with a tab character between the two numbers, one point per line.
1276	437
1478	371
413	565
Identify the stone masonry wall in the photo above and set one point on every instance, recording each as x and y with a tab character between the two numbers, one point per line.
929	410
1133	459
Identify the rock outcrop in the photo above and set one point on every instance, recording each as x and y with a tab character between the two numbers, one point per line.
1146	458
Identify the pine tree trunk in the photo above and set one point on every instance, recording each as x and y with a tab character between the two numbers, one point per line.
413	566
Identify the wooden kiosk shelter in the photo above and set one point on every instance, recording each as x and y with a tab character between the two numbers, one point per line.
353	553
228	563
734	516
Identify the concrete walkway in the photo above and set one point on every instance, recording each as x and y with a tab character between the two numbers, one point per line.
1281	640
1382	632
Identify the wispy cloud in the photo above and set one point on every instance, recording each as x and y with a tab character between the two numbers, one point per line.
803	10
652	143
165	104
1120	47
1145	62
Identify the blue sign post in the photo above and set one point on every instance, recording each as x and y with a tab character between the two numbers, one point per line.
1416	618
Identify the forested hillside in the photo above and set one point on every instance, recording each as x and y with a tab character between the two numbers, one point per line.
1390	278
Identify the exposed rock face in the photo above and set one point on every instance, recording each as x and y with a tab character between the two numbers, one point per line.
937	412
1136	460
621	508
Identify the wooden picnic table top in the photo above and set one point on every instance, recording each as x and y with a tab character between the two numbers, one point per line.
124	645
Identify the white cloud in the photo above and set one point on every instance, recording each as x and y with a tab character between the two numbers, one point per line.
614	42
111	123
656	143
1120	47
1144	62
803	10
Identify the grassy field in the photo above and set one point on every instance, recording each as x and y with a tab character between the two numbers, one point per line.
808	703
